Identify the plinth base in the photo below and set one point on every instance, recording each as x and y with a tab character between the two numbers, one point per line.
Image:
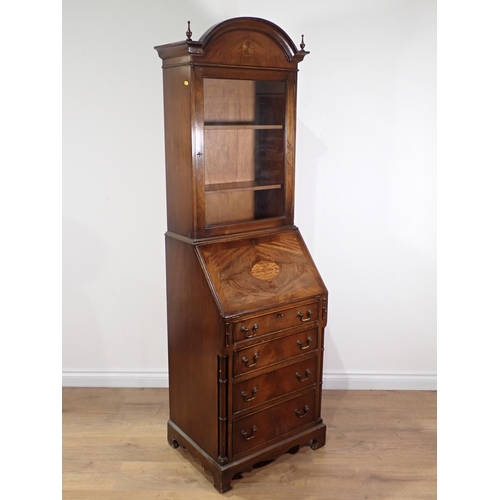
223	474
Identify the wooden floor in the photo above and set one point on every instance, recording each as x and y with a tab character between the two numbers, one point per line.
380	445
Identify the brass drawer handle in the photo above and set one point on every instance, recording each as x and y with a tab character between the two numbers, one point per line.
245	360
247	437
305	410
246	330
300	344
244	395
301	315
299	376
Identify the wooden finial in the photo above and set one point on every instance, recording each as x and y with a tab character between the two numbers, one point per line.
188	32
302	44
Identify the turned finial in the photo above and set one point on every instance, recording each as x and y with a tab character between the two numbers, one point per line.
302	44
188	32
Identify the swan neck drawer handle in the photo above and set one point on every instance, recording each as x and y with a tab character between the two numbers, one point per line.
247	436
302	415
301	344
299	376
301	315
245	360
244	395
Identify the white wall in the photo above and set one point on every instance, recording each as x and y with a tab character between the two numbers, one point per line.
365	186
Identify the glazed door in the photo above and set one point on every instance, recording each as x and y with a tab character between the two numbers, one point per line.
244	123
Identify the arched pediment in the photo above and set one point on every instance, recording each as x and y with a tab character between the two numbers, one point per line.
249	41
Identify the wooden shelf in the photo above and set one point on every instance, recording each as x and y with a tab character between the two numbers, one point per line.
241	126
242	186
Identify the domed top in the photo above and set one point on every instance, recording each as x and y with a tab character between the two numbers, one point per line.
256	25
241	41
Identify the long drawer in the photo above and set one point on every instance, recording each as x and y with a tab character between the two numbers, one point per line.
272	385
267	353
258	428
257	326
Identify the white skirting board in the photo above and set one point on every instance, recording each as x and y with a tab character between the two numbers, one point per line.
114	379
335	381
380	381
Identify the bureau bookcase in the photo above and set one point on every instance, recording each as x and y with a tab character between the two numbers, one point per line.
246	306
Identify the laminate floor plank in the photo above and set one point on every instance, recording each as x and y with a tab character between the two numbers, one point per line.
381	445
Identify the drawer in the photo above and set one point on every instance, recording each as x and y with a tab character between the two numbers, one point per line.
274	351
271	385
258	428
273	322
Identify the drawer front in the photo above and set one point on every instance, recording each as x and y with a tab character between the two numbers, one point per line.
272	322
263	426
274	384
274	351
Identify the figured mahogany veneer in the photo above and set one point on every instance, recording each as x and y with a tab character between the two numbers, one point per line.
273	384
273	422
246	305
239	288
273	351
257	326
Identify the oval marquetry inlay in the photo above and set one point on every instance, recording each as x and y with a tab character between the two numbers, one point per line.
265	270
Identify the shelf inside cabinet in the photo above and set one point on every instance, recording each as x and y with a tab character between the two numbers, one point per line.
243	186
241	126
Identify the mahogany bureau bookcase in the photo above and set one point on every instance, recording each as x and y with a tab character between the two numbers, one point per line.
246	305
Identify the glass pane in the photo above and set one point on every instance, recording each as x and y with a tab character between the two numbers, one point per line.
244	102
244	150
